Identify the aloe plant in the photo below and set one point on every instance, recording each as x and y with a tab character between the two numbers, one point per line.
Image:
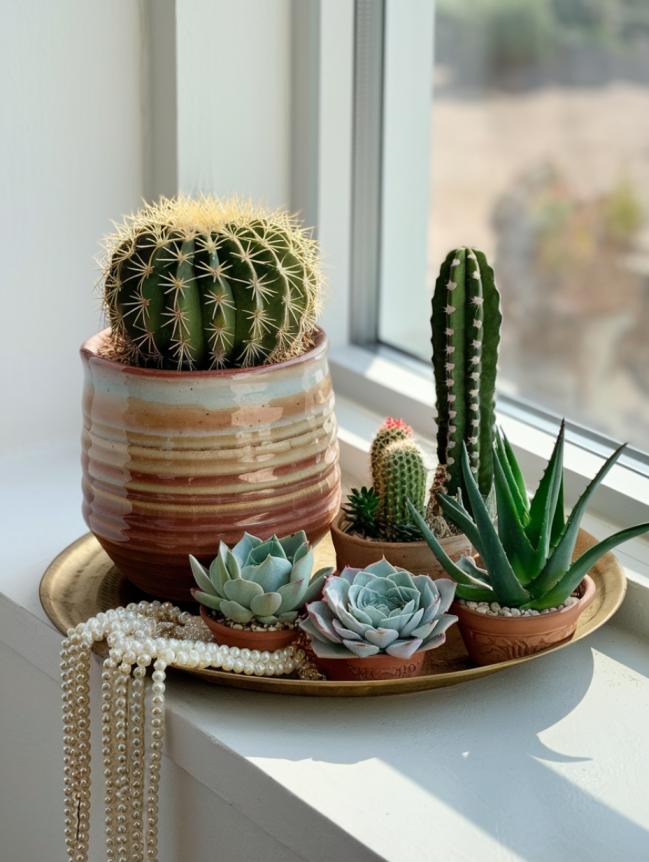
528	553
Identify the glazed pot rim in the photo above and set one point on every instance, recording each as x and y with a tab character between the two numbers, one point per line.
542	620
377	543
89	350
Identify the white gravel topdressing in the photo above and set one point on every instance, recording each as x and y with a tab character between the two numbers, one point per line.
493	609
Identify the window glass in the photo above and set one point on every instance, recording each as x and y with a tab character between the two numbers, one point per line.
540	156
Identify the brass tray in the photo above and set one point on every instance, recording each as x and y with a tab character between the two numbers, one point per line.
82	581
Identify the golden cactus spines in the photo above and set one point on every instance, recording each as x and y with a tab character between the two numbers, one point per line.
209	283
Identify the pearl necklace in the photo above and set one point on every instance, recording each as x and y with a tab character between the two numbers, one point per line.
149	633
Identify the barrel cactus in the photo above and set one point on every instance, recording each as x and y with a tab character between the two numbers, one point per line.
390	432
379	609
208	283
465	337
263	582
398	474
403	478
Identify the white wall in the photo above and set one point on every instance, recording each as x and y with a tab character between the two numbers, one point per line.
71	160
234	95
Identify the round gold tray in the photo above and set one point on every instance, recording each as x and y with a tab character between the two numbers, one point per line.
82	581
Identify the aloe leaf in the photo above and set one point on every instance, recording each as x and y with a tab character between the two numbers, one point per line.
510	529
514	466
469	565
475	594
544	501
455	512
582	565
451	568
561	557
503	578
519	500
559	521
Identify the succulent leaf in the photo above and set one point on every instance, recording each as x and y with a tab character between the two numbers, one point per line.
207	599
266	604
267	581
378	609
235	611
242	591
201	576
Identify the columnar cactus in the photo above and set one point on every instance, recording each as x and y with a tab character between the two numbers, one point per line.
465	336
403	478
210	284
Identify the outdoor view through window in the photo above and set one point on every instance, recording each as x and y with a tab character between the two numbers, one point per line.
540	156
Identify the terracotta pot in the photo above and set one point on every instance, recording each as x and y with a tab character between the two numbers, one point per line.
175	461
379	666
416	557
490	640
247	639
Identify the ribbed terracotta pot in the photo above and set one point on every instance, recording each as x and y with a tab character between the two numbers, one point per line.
490	640
174	461
379	666
415	557
244	638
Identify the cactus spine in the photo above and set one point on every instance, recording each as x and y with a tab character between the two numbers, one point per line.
390	431
403	478
465	337
210	284
398	473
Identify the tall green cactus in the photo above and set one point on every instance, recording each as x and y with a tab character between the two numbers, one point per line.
465	336
403	478
210	284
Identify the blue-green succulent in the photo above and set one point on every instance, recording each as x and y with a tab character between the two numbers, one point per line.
267	582
379	609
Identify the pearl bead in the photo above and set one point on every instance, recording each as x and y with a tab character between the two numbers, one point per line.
135	641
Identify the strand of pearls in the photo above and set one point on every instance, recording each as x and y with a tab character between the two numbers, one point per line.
138	636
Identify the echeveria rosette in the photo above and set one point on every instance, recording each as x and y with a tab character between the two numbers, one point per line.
379	609
267	582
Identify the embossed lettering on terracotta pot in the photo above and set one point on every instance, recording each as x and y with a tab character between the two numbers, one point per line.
174	461
415	557
491	639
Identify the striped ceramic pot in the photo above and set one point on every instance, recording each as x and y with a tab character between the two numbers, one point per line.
173	462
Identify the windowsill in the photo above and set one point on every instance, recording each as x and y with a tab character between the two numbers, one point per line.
383	383
387	778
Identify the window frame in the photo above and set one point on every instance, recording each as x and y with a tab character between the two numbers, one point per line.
351	213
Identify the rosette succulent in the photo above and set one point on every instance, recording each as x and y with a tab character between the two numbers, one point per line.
267	582
379	609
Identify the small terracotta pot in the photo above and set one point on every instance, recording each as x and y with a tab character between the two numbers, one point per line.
415	557
490	640
248	639
174	461
379	666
